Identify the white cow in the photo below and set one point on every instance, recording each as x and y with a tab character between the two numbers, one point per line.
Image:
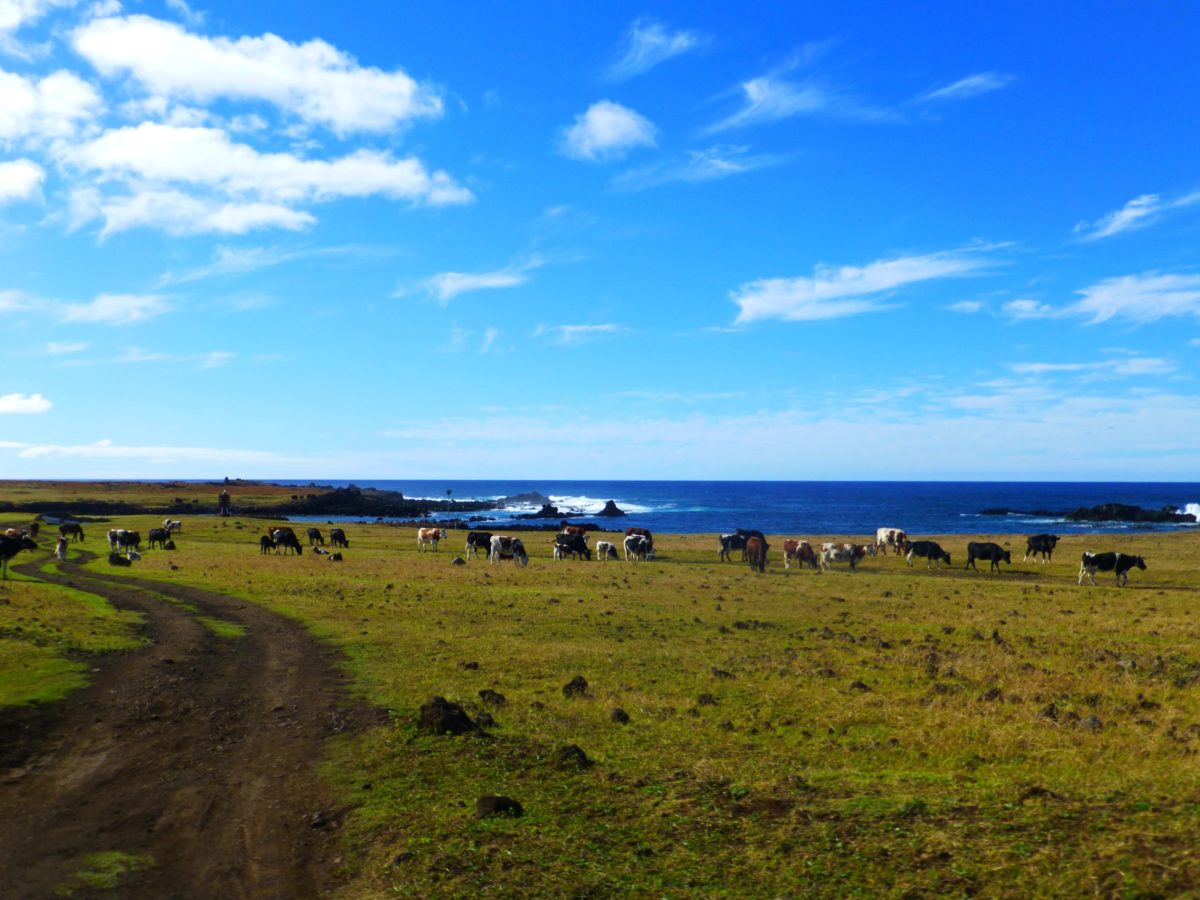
505	547
890	537
606	550
170	525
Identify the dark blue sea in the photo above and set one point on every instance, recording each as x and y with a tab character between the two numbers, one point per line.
817	507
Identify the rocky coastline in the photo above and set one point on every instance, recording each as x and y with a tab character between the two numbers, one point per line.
1105	512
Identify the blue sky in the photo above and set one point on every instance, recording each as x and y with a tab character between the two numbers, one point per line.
793	241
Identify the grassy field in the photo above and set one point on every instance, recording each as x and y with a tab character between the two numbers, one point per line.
891	731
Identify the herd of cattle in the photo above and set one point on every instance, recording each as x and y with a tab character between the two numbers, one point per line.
638	544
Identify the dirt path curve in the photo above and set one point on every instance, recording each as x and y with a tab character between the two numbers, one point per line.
197	750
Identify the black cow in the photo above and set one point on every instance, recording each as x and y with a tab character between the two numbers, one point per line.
930	550
478	540
993	553
265	544
158	536
129	540
337	538
286	538
116	559
10	547
731	542
1040	543
314	537
575	544
1120	563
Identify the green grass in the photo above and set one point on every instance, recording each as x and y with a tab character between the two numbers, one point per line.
102	872
885	732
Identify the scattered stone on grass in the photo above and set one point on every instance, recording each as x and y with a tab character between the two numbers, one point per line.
1091	723
493	805
620	716
860	686
440	716
485	720
469	665
992	694
576	687
572	757
495	698
706	700
721	673
458	561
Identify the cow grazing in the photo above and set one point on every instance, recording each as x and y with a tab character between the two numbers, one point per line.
265	544
637	548
129	540
890	537
60	548
756	553
337	538
158	536
931	551
10	547
644	532
315	538
993	553
851	553
478	540
606	550
1119	563
571	545
286	538
802	552
1040	544
731	542
504	547
173	526
73	530
429	536
573	529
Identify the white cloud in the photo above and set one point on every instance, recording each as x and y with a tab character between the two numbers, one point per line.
20	179
15	14
965	88
489	338
52	107
64	348
207	157
575	334
107	449
836	291
1125	366
445	286
769	98
1140	298
1028	309
314	80
116	309
1137	213
710	164
182	214
216	359
185	12
606	131
24	403
966	307
648	43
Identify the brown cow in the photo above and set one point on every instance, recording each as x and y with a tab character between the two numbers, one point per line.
802	552
73	530
756	553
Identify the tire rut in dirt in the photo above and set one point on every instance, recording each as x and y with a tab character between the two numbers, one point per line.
196	750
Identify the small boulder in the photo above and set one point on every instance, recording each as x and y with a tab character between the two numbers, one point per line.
493	805
576	687
611	509
620	716
440	716
495	698
458	561
572	757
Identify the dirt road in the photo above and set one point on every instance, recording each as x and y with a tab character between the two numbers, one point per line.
196	751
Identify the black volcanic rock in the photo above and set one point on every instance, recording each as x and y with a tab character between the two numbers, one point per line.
1121	512
611	509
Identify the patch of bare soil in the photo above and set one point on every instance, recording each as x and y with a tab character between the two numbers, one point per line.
197	750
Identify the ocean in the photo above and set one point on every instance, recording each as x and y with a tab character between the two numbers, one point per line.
816	507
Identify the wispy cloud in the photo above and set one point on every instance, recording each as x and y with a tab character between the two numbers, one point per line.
607	130
710	164
64	348
1139	298
1137	213
116	309
575	334
648	43
1124	366
445	286
1026	308
837	291
966	307
23	404
966	88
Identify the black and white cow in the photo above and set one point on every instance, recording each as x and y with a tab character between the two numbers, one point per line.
1042	544
504	547
11	546
729	543
1120	563
931	551
606	550
478	540
638	547
571	545
851	553
985	550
